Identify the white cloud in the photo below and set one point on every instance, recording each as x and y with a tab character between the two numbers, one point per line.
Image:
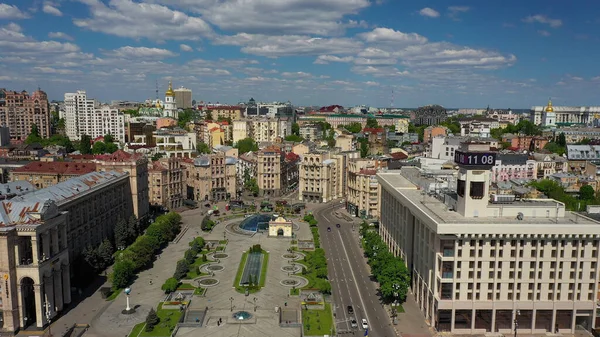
185	48
539	18
372	83
298	74
544	33
325	59
60	35
11	12
429	12
50	70
140	52
289	45
276	17
388	35
126	18
454	11
52	9
379	71
375	62
374	53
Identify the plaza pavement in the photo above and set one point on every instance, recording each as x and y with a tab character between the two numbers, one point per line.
105	318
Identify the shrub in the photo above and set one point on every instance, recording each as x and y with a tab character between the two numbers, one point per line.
151	320
170	285
181	269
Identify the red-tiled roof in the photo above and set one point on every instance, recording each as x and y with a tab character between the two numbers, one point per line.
215	129
369	172
119	155
399	155
291	156
373	130
64	168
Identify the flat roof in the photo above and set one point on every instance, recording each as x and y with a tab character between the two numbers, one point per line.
440	219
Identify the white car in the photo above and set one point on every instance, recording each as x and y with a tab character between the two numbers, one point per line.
364	324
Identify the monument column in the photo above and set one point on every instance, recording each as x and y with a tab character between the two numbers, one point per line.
39	303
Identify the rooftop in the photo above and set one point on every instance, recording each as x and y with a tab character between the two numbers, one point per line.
18	209
441	219
62	168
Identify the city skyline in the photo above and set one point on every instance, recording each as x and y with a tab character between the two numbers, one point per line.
457	54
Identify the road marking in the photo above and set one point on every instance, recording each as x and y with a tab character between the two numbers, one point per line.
354	276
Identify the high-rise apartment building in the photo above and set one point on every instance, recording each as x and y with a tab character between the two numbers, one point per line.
85	116
210	177
19	111
490	264
166	183
183	98
320	177
270	163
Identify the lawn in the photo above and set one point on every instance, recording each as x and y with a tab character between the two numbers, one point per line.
199	291
186	286
294	292
114	294
193	273
223	242
399	308
318	322
316	237
263	273
168	321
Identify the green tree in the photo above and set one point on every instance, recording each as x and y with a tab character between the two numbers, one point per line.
99	148
181	269
372	123
122	275
353	127
85	144
562	140
105	253
252	186
141	252
185	116
134	224
296	129
151	320
246	145
190	256
34	135
225	119
586	192
555	148
123	234
203	148
170	285
157	156
111	147
364	147
90	256
208	116
294	138
246	176
108	138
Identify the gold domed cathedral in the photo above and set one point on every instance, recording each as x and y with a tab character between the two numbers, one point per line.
170	108
549	117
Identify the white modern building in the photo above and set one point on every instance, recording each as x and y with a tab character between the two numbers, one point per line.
443	147
87	116
482	267
478	127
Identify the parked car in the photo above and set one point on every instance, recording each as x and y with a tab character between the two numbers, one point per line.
353	323
329	229
364	324
350	310
337	225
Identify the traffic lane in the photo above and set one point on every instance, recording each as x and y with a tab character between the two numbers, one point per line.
337	288
333	253
383	321
332	246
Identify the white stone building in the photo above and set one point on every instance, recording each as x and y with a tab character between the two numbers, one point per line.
87	116
478	266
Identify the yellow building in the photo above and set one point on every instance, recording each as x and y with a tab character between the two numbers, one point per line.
321	176
280	227
345	142
362	188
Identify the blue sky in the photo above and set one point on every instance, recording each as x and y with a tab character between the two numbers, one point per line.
312	52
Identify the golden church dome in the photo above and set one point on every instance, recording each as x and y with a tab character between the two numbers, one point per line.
549	108
170	92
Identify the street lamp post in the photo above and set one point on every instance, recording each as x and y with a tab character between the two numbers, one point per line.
49	318
255	303
127	291
517	313
231	300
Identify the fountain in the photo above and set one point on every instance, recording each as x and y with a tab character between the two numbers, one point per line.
241	315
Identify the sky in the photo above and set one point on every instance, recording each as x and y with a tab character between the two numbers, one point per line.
505	54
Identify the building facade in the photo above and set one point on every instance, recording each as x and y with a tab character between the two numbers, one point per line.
320	177
19	111
362	188
478	127
85	116
46	174
528	262
270	164
311	132
429	115
165	177
434	131
513	166
175	142
550	115
183	98
211	177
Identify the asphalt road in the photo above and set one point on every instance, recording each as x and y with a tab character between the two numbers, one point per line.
350	277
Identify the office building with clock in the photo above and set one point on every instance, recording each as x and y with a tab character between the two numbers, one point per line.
484	263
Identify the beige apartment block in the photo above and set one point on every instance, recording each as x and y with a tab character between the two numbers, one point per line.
211	177
136	165
240	130
166	183
479	266
320	177
232	112
362	188
46	174
345	142
19	111
42	232
270	163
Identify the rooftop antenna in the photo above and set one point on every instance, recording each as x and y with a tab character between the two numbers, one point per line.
392	100
156	89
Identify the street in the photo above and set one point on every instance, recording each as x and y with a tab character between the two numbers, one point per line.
350	277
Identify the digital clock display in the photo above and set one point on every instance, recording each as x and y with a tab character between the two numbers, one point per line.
475	158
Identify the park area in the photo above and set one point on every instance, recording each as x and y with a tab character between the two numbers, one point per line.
252	271
318	322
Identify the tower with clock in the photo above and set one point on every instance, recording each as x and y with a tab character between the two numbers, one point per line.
474	162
